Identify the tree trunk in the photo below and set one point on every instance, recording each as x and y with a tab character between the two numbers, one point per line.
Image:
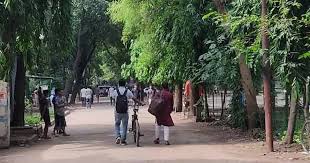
223	99
85	50
213	104
292	117
219	6
267	78
75	90
68	86
249	91
287	99
273	91
194	96
306	101
206	105
19	105
178	98
9	40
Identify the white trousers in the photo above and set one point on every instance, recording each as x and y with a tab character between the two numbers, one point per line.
166	132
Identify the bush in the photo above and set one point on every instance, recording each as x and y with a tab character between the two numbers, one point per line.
280	124
33	120
237	111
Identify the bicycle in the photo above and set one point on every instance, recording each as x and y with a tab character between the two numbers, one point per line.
135	126
305	136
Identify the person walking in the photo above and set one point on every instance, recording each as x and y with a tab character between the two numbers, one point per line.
88	96
164	118
111	92
44	111
83	96
150	93
122	95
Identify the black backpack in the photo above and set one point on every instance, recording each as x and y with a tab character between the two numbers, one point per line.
121	102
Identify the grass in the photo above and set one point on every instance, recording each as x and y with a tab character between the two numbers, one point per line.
280	124
35	118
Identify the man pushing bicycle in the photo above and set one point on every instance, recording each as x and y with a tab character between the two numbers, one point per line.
121	96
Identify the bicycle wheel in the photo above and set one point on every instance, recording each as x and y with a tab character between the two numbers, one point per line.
137	133
305	137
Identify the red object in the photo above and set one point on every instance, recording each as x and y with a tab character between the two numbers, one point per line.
157	104
187	88
164	117
201	90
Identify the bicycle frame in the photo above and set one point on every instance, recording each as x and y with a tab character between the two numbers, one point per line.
135	127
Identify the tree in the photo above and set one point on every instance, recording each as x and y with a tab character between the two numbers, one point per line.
266	78
23	24
93	30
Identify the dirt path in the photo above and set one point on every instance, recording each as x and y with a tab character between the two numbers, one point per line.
92	141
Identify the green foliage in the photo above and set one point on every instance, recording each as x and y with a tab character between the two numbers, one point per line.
280	124
32	120
163	36
93	26
40	30
237	111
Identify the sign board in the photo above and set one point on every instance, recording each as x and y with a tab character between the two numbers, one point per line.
4	116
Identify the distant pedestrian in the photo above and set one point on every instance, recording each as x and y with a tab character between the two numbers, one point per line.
88	97
111	92
52	97
83	96
164	118
36	97
44	111
60	113
56	119
150	93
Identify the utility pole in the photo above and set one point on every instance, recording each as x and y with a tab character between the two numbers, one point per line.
266	78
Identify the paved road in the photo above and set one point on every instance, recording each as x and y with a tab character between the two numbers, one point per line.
92	141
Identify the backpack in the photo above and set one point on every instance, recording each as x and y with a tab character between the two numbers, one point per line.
121	102
156	105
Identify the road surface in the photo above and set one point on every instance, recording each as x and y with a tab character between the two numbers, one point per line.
92	141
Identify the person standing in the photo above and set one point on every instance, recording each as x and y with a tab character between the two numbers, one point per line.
88	96
111	91
83	96
60	112
43	106
56	126
122	95
52	97
164	118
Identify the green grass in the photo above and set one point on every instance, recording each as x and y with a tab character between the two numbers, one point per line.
35	118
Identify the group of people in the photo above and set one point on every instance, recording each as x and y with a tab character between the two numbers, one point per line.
120	97
123	94
86	97
57	100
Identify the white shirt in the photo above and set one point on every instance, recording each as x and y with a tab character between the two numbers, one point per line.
111	91
83	92
121	91
88	93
